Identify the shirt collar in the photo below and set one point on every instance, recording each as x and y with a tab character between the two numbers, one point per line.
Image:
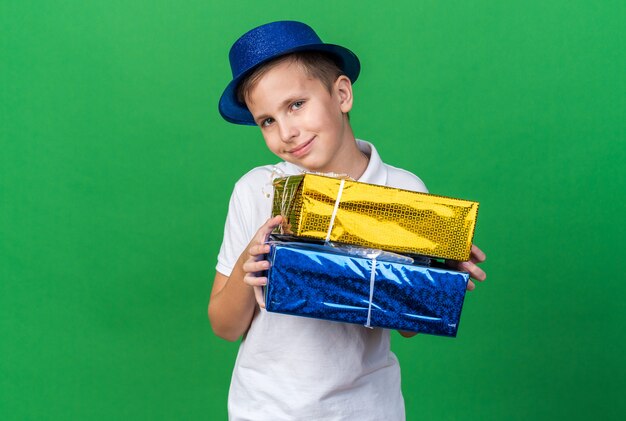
376	172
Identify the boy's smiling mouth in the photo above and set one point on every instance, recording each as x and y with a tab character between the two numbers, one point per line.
302	149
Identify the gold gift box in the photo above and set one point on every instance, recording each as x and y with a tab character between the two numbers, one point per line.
344	211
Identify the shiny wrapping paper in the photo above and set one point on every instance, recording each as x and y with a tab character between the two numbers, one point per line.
381	217
326	283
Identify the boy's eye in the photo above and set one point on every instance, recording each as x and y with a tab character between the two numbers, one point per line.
267	122
297	105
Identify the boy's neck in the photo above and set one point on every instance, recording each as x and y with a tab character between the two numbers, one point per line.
353	160
358	164
350	159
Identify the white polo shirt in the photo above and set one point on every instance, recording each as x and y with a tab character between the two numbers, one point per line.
297	368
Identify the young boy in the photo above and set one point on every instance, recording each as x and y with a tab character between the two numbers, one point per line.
298	90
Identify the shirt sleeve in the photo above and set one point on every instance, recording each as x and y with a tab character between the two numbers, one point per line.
248	209
236	234
402	179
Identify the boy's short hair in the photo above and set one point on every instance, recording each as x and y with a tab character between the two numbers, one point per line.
316	64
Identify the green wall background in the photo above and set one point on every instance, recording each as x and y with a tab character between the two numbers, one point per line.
115	172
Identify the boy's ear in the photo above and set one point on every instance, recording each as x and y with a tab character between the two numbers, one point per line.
343	90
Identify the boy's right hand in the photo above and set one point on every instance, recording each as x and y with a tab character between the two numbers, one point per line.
255	251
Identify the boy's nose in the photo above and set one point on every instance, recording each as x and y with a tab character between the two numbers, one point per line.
288	131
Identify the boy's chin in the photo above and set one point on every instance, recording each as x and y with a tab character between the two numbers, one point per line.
311	168
310	164
304	163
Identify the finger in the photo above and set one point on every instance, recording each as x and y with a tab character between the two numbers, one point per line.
477	255
474	271
274	221
470	286
259	249
258	294
255	281
269	226
252	266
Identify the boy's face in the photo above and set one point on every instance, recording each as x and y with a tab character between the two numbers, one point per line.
301	121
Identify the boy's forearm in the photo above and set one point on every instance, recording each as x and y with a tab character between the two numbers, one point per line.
233	300
232	304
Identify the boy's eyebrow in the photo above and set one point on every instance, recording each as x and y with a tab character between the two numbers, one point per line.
260	118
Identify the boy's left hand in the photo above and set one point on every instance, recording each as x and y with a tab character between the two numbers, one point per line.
476	256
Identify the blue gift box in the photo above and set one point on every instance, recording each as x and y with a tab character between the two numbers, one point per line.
323	282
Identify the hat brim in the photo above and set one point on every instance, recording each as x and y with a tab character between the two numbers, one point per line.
235	112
